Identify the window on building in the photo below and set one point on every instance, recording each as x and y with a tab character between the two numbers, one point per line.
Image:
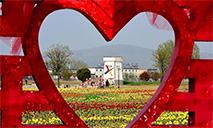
96	76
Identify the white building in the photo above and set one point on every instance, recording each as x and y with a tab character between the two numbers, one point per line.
96	72
134	72
113	69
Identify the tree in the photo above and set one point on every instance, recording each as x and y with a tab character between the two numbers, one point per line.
131	76
83	74
163	55
144	76
66	74
57	58
196	52
126	76
76	64
53	73
155	76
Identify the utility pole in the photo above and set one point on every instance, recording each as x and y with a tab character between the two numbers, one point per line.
118	75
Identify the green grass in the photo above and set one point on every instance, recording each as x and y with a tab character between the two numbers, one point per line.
129	83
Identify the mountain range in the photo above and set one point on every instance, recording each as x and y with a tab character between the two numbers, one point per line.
131	54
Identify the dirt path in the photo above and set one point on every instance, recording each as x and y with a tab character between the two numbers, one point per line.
141	87
182	87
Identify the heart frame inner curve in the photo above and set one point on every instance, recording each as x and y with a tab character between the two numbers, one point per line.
109	26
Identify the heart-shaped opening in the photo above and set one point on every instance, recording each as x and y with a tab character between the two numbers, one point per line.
108	21
107	107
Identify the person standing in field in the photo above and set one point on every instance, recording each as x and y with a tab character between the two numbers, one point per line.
99	83
102	83
107	83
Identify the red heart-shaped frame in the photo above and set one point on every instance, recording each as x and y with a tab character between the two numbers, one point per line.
109	17
109	20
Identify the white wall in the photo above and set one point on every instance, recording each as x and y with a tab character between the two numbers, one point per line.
113	63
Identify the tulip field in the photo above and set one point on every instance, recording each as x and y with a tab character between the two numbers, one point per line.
105	108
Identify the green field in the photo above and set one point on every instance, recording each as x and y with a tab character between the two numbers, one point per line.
129	83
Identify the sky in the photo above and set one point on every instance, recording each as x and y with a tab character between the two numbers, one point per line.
79	33
69	27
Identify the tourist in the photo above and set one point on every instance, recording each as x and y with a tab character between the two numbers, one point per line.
99	83
86	83
102	83
107	83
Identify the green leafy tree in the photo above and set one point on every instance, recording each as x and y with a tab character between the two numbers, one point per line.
66	74
53	73
163	55
131	76
83	74
126	76
196	52
57	58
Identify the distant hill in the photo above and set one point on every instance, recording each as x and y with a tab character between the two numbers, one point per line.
131	54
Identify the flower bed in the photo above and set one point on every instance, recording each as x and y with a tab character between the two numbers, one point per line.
105	108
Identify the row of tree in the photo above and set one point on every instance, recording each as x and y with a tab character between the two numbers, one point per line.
129	76
143	76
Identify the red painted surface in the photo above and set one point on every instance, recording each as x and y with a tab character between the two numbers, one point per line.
23	19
